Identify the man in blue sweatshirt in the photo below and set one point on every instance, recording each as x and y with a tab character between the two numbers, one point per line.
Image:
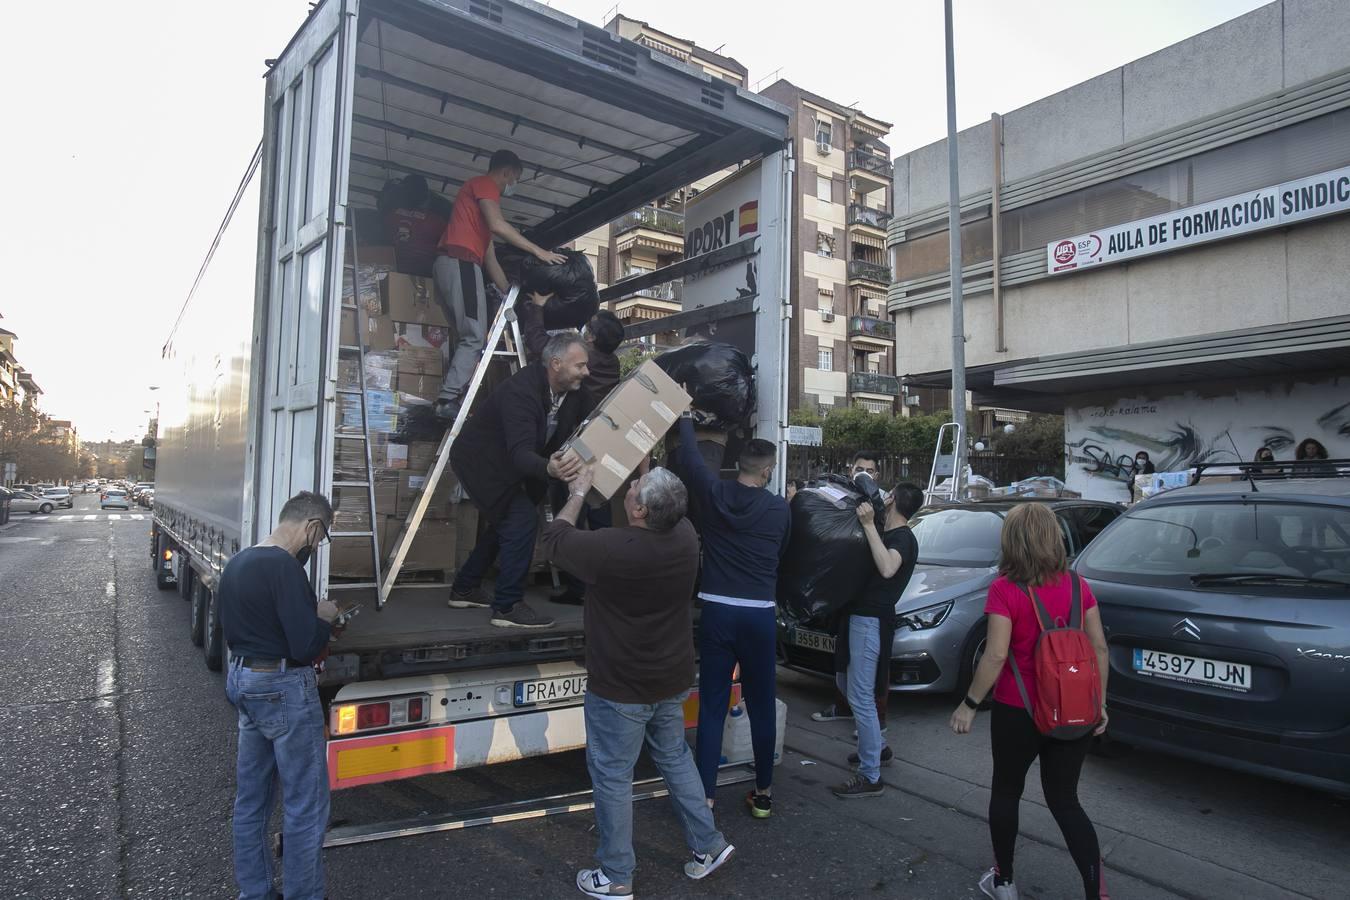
745	534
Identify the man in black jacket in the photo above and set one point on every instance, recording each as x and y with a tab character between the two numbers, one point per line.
504	459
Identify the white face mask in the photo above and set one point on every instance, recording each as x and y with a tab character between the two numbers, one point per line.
509	190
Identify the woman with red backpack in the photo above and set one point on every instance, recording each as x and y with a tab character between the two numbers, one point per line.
1046	659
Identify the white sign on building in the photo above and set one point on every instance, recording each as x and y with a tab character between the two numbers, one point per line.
1269	207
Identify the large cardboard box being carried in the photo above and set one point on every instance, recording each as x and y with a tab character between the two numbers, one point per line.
413	299
619	433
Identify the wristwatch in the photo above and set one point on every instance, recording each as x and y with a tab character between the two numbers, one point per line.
973	704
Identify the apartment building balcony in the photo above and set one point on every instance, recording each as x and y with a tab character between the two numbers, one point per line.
658	229
883	386
870	170
867	331
861	216
872	273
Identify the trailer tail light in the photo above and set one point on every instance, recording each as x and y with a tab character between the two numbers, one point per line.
372	715
353	718
168	555
416	710
346	719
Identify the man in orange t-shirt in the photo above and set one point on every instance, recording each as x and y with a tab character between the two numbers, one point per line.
465	252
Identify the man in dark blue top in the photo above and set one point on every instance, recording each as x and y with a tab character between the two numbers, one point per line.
745	532
275	629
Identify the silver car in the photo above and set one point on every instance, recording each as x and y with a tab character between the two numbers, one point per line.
61	496
26	501
114	498
939	619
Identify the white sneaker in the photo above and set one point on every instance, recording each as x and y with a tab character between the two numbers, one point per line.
595	883
1000	892
704	864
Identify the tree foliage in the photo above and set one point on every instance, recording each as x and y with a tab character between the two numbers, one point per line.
1040	436
28	440
852	428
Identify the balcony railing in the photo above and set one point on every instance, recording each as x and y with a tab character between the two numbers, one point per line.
653	218
870	162
872	383
668	291
861	268
866	215
866	326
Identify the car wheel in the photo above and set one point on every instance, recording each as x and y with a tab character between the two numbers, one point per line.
970	660
211	637
46	509
198	612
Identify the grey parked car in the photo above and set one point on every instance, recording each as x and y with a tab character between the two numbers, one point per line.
1227	611
939	619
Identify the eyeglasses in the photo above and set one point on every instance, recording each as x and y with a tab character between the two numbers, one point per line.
327	538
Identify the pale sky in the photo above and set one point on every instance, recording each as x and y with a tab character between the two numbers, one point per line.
128	126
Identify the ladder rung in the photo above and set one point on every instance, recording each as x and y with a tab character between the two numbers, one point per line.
349	348
349	437
351	484
351	306
350	534
356	391
353	586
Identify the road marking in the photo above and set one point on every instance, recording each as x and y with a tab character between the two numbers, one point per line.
64	518
90	518
114	516
110	589
137	517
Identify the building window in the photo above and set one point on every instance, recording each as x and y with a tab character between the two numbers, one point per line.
825	302
825	245
823	188
825	359
874	406
823	135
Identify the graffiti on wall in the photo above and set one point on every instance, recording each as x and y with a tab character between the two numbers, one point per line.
1209	424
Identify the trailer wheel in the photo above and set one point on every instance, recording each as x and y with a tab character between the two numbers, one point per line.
212	642
198	612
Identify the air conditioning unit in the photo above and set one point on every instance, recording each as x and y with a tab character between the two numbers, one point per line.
912	400
827	315
823	148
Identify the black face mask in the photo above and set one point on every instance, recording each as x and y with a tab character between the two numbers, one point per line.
303	554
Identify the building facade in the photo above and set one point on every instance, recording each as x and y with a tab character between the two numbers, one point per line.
842	351
1158	253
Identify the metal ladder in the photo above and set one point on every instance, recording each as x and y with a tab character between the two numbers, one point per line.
946	465
505	342
358	350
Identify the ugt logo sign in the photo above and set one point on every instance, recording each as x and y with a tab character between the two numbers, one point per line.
1065	251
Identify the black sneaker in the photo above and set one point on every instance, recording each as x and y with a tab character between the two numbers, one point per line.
446	410
887	757
760	805
470	599
830	713
520	616
569	595
858	787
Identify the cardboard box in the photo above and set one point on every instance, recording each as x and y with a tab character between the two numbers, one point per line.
372	296
421	454
396	456
421	361
351	557
381	371
423	387
379	256
378	330
435	548
411	334
413	299
443	502
620	432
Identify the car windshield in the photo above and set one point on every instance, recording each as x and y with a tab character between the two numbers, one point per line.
117	493
1224	543
958	537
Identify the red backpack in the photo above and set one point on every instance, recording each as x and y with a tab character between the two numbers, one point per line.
1068	682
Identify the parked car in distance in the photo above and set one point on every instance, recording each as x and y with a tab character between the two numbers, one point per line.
146	497
138	487
939	619
1227	611
61	496
27	501
114	498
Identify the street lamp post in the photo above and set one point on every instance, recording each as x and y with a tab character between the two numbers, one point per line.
954	230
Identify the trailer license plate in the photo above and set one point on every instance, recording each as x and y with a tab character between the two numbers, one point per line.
549	690
1193	669
813	640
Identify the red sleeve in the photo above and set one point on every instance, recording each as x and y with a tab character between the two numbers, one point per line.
1001	598
1089	601
485	188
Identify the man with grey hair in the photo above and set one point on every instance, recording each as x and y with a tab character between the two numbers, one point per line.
504	459
640	665
275	629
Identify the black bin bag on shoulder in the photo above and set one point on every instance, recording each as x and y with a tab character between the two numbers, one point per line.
720	380
828	562
572	283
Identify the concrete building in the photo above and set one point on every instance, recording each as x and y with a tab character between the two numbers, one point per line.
842	351
16	383
1159	253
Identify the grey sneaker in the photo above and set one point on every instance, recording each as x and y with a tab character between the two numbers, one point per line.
887	757
595	883
704	864
470	599
830	713
997	892
884	729
857	787
520	616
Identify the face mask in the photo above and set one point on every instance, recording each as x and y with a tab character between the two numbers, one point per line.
509	190
303	554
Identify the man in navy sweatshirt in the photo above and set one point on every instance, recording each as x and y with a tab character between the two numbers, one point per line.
745	534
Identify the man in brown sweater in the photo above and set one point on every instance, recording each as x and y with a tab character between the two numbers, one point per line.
640	662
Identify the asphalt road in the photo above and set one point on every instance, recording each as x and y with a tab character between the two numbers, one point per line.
117	762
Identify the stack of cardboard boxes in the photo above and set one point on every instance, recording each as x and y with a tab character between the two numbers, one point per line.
406	338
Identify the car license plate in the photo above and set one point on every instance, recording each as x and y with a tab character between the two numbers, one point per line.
813	640
1193	669
549	690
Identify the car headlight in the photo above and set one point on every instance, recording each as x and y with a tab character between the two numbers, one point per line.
922	619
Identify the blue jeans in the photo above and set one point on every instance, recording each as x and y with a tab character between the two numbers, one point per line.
864	652
280	740
728	635
614	736
509	543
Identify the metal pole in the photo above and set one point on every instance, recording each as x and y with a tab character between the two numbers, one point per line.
954	230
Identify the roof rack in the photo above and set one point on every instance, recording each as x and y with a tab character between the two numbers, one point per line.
1281	469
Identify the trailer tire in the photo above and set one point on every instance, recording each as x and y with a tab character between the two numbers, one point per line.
196	631
212	640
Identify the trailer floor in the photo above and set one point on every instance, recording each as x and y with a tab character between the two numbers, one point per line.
419	617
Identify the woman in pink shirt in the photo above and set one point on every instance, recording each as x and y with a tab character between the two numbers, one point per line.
1032	558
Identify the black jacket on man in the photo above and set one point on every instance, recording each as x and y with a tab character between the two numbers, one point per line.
503	445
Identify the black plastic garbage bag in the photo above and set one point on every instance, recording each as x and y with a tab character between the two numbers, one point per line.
720	381
572	283
828	562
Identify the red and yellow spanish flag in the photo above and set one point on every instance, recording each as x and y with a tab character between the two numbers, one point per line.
749	218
